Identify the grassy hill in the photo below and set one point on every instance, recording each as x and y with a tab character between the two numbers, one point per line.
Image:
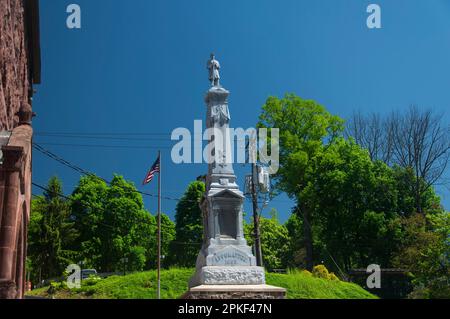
140	285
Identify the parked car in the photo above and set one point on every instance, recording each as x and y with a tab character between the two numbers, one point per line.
85	273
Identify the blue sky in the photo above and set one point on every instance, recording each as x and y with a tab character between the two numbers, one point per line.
139	67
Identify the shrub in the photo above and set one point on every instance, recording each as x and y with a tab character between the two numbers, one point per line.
91	281
333	277
56	286
320	271
306	273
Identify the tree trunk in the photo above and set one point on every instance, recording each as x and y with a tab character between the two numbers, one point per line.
307	234
417	196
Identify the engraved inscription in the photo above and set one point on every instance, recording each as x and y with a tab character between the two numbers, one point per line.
231	257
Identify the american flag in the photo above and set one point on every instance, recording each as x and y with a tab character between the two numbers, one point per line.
151	172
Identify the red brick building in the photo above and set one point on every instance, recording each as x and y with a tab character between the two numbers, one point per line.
19	70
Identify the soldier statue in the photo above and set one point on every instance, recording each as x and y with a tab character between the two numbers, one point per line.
213	67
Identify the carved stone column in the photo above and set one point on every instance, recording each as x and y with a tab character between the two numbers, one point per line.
11	169
20	255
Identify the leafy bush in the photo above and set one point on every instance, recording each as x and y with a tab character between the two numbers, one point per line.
91	280
320	271
56	286
333	277
274	241
425	253
306	273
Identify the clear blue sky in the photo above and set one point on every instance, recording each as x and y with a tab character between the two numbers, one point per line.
139	66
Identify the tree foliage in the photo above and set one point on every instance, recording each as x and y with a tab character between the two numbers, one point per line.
274	241
51	233
426	254
355	201
297	253
113	225
305	128
416	140
189	227
358	201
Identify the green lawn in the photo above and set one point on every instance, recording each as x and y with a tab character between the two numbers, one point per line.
174	283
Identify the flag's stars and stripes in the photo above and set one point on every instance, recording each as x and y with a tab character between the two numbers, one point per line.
153	170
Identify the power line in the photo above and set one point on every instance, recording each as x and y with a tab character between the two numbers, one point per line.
106	146
62	161
101	137
97	134
100	134
88	206
71	199
77	168
107	225
82	171
87	173
167	137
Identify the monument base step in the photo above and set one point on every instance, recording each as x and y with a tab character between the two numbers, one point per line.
235	292
228	275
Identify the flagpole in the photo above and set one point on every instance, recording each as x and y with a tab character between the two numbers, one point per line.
159	227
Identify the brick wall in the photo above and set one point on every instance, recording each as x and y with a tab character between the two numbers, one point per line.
14	64
19	67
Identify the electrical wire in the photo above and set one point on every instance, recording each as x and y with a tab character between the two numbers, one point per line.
78	169
105	146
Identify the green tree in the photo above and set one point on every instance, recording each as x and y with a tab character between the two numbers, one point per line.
189	227
305	129
113	224
274	241
168	233
88	203
355	201
426	254
407	198
296	255
415	139
51	233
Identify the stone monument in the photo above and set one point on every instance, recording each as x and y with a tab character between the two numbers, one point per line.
225	266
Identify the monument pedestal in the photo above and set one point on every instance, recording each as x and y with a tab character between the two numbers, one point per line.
228	275
235	292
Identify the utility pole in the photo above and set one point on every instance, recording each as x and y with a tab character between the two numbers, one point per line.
252	186
256	232
159	228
